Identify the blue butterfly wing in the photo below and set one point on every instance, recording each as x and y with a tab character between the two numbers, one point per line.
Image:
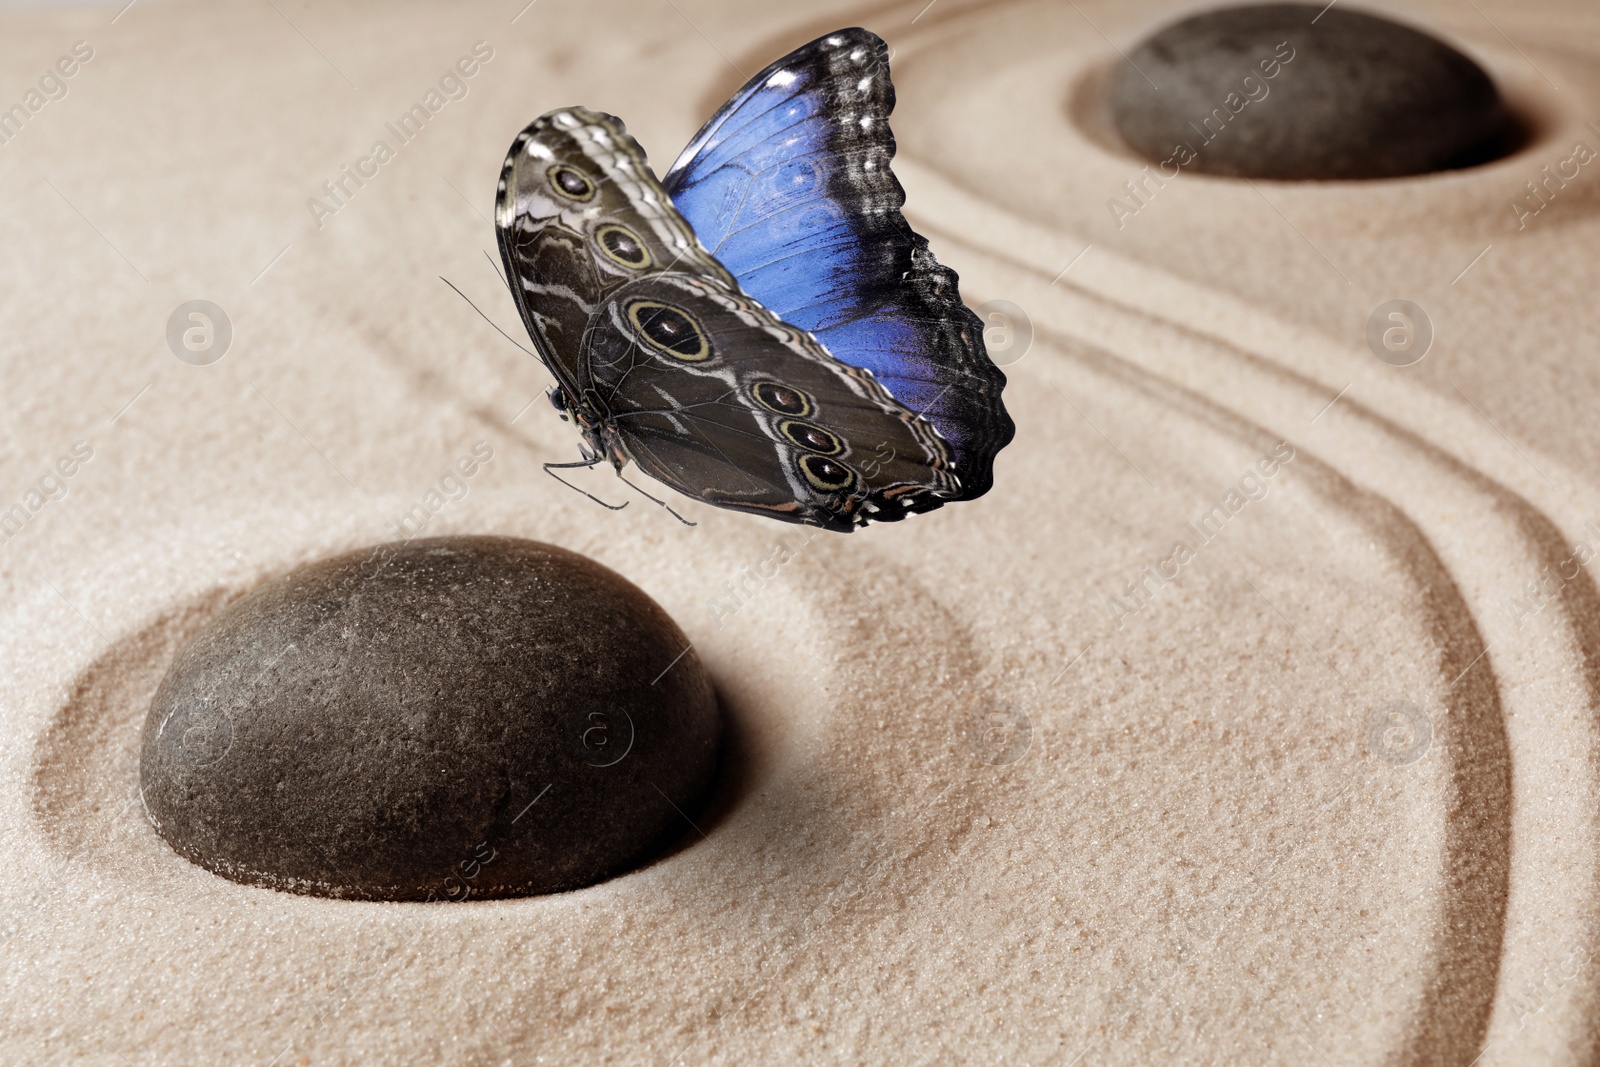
789	186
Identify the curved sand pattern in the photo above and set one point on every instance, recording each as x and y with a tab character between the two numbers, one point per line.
1197	858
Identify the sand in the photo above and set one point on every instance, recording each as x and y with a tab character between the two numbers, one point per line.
1190	848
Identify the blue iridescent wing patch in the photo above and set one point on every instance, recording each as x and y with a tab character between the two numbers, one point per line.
789	186
767	334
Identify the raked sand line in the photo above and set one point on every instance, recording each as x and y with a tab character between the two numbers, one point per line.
1490	536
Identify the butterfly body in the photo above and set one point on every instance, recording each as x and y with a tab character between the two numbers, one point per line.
668	359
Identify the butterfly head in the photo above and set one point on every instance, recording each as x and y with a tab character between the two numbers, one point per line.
558	400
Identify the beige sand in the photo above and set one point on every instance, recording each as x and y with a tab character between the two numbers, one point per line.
1200	857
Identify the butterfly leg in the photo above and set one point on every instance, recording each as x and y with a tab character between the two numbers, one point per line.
663	503
551	468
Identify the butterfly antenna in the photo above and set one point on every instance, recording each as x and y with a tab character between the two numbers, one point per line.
496	268
551	468
663	503
486	318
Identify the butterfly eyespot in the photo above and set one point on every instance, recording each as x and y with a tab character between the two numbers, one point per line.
811	437
669	330
784	399
825	474
622	245
570	183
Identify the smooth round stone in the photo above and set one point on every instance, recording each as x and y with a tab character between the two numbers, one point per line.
445	719
1261	92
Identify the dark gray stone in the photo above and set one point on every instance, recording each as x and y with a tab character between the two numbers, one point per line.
451	718
1261	92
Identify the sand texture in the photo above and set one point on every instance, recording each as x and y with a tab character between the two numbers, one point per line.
1189	848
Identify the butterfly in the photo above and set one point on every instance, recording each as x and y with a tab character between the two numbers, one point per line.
760	329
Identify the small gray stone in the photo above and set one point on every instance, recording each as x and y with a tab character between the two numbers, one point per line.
1262	92
444	719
